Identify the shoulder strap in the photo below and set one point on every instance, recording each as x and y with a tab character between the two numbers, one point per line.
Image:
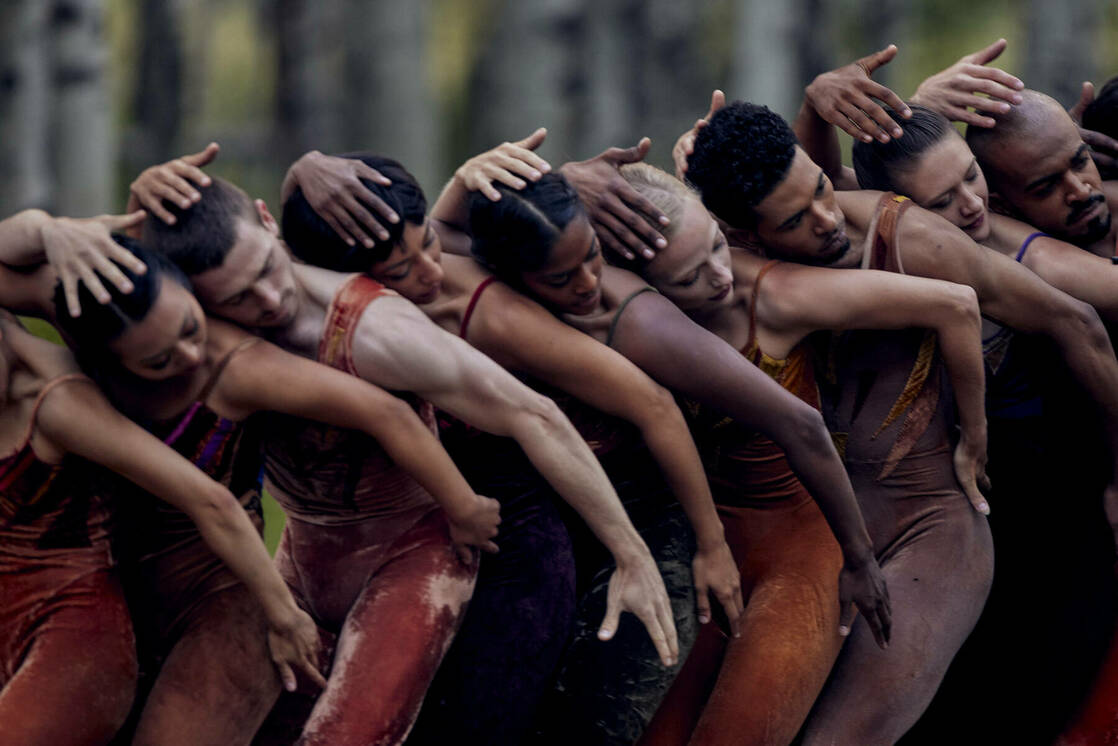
1025	244
884	253
473	303
621	309
749	342
47	388
244	344
351	300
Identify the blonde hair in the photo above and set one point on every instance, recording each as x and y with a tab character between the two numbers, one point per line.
667	193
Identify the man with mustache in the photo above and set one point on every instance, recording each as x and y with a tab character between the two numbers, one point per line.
1040	170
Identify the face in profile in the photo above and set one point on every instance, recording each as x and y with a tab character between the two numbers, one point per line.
1049	178
255	285
799	221
947	180
413	268
694	270
170	340
570	281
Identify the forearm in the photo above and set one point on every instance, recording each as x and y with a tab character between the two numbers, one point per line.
564	459
813	458
959	335
21	243
452	206
227	530
819	139
670	443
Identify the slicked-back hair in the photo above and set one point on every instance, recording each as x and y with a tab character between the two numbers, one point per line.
517	232
313	240
740	156
877	163
204	233
101	323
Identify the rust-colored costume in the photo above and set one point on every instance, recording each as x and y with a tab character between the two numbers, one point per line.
367	552
757	689
892	412
67	654
202	634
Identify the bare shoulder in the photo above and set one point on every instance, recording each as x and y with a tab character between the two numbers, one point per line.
858	206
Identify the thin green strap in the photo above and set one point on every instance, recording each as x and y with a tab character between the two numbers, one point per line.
621	310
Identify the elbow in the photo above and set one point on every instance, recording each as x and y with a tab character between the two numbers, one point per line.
1087	326
805	430
540	416
219	508
959	306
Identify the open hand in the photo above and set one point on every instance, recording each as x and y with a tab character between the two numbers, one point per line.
509	163
83	250
970	470
637	587
333	189
715	570
1104	149
845	98
624	220
952	91
296	645
863	586
175	181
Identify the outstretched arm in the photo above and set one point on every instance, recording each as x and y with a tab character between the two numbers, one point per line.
521	335
683	356
273	380
77	419
397	346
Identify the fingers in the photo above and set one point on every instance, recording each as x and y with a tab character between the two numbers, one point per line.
846	618
111	272
877	59
866	129
287	676
379	207
611	619
667	623
202	157
153	204
465	553
977	501
739	611
634	154
1005	86
1098	141
995	89
880	621
1086	96
121	223
702	602
70	290
489	547
308	667
365	171
534	140
717	101
989	54
634	245
612	242
175	188
962	114
363	223
729	603
93	282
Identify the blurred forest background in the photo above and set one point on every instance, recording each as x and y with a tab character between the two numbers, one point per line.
93	91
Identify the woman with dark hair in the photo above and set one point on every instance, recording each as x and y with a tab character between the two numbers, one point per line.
631	423
538	240
188	378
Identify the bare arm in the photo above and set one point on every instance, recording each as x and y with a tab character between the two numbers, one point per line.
400	348
800	300
1018	298
77	419
521	335
953	90
682	355
273	380
1090	278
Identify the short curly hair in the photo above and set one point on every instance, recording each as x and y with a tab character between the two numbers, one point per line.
739	158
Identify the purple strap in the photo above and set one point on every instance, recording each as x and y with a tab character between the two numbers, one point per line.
1025	245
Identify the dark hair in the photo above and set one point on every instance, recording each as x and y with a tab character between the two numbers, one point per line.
1101	114
876	162
313	240
739	158
516	233
205	232
101	323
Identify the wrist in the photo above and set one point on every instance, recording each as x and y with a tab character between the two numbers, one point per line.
710	540
858	556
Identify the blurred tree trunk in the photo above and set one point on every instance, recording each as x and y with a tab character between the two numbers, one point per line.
24	168
82	139
766	69
531	75
157	104
389	103
890	26
1062	46
306	109
610	115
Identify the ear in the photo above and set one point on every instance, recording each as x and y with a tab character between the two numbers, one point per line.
265	216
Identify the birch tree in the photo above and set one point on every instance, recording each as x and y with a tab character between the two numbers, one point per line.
24	168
